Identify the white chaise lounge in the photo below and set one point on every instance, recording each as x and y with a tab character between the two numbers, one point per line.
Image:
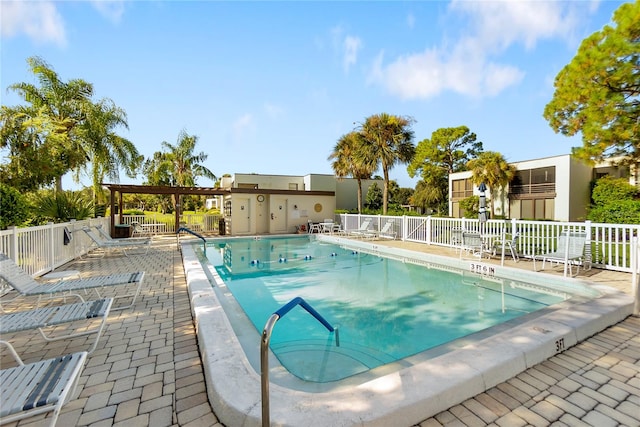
48	317
40	387
18	279
117	245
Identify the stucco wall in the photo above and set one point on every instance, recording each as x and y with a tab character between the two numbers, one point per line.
277	213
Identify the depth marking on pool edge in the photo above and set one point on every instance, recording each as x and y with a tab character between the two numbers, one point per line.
482	269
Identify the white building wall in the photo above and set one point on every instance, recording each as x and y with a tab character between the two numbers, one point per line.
277	213
572	182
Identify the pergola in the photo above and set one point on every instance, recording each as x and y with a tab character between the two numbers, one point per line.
156	189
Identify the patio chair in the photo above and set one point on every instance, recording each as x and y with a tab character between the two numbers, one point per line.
137	240
509	245
48	317
25	285
116	245
362	231
39	387
472	243
456	238
569	251
386	232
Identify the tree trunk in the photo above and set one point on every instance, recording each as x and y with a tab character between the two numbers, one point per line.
385	190
58	184
359	196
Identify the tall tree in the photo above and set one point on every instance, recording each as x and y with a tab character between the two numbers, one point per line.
349	159
389	139
107	150
60	129
187	165
491	168
448	151
179	165
597	93
46	130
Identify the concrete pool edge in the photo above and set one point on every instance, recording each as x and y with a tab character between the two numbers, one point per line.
405	397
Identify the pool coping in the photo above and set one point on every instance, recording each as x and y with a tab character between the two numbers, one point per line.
404	397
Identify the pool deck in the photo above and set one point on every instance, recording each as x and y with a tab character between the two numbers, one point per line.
147	368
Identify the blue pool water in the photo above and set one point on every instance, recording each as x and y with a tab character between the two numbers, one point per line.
385	310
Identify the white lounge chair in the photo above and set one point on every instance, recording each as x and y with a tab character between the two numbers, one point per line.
105	236
363	230
116	245
24	284
570	251
39	387
473	244
48	317
386	232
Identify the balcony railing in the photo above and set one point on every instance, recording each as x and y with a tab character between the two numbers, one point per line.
545	188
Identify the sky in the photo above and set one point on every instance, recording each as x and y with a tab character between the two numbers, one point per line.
269	87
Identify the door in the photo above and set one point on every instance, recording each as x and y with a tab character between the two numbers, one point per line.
241	216
278	215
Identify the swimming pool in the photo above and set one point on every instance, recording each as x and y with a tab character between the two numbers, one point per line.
402	392
385	309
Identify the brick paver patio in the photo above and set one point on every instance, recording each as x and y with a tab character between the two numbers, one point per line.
147	370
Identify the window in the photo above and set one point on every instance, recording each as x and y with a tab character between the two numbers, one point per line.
248	185
534	181
461	189
532	208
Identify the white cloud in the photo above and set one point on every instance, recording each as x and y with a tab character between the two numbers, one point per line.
242	126
110	9
40	21
346	46
471	63
351	47
499	24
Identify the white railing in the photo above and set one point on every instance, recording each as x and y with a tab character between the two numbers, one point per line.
41	249
609	246
198	222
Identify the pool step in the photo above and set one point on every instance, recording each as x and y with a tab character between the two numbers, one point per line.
323	361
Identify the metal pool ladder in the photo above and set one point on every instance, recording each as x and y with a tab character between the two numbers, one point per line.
264	347
204	241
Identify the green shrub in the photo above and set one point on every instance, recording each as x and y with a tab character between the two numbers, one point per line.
470	206
132	212
14	208
614	200
62	207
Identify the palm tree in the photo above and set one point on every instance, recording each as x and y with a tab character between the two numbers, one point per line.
108	151
187	166
53	117
347	162
184	167
389	139
491	168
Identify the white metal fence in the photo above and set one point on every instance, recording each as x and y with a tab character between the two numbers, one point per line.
41	249
609	246
199	222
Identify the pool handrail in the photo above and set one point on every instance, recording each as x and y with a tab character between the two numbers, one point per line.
264	347
204	241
